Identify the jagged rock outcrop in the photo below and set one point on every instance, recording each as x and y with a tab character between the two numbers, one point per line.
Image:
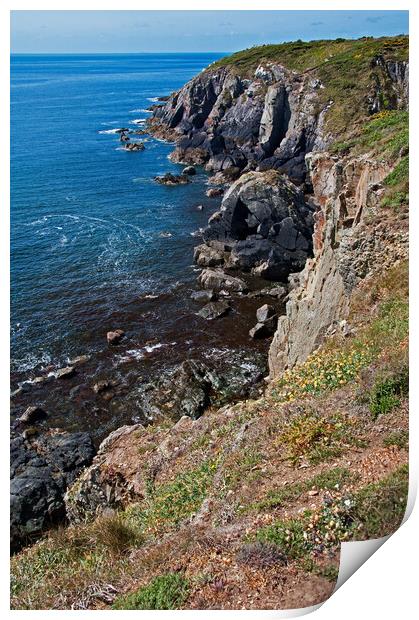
41	470
270	119
264	226
225	121
346	249
391	88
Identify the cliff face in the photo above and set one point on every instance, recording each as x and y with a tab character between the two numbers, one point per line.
268	121
245	118
271	116
349	245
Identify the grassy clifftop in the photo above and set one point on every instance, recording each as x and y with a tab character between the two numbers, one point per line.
338	54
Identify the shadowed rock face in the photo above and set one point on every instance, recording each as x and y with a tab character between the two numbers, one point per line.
222	120
264	226
40	472
269	120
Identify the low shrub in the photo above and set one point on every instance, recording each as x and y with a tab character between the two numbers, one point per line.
386	393
167	591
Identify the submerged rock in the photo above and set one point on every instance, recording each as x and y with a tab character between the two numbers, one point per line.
189	170
214	310
32	414
114	337
185	390
172	179
65	373
204	296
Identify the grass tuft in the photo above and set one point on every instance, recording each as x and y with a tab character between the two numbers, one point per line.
167	591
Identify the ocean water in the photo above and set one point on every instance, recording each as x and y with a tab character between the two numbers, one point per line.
97	244
89	226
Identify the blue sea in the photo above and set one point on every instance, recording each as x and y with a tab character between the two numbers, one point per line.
90	230
97	244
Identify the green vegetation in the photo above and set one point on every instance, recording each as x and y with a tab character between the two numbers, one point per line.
386	137
168	591
380	507
386	393
374	511
400	439
241	468
324	370
168	504
288	535
341	362
306	55
317	437
331	479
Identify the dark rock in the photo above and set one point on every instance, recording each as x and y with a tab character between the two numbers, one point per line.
134	146
114	337
40	474
172	179
206	256
264	313
214	310
185	390
80	359
104	386
189	170
65	373
204	296
266	222
264	330
32	414
280	292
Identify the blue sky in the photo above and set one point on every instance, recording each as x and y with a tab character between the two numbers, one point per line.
189	31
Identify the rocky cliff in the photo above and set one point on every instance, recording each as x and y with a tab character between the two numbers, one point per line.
351	242
269	107
269	118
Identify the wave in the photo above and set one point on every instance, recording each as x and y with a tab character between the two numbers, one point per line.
140	110
109	130
141	353
138	121
153	99
31	361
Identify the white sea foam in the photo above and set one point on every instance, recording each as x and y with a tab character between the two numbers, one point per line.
30	361
140	110
153	99
138	121
109	130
